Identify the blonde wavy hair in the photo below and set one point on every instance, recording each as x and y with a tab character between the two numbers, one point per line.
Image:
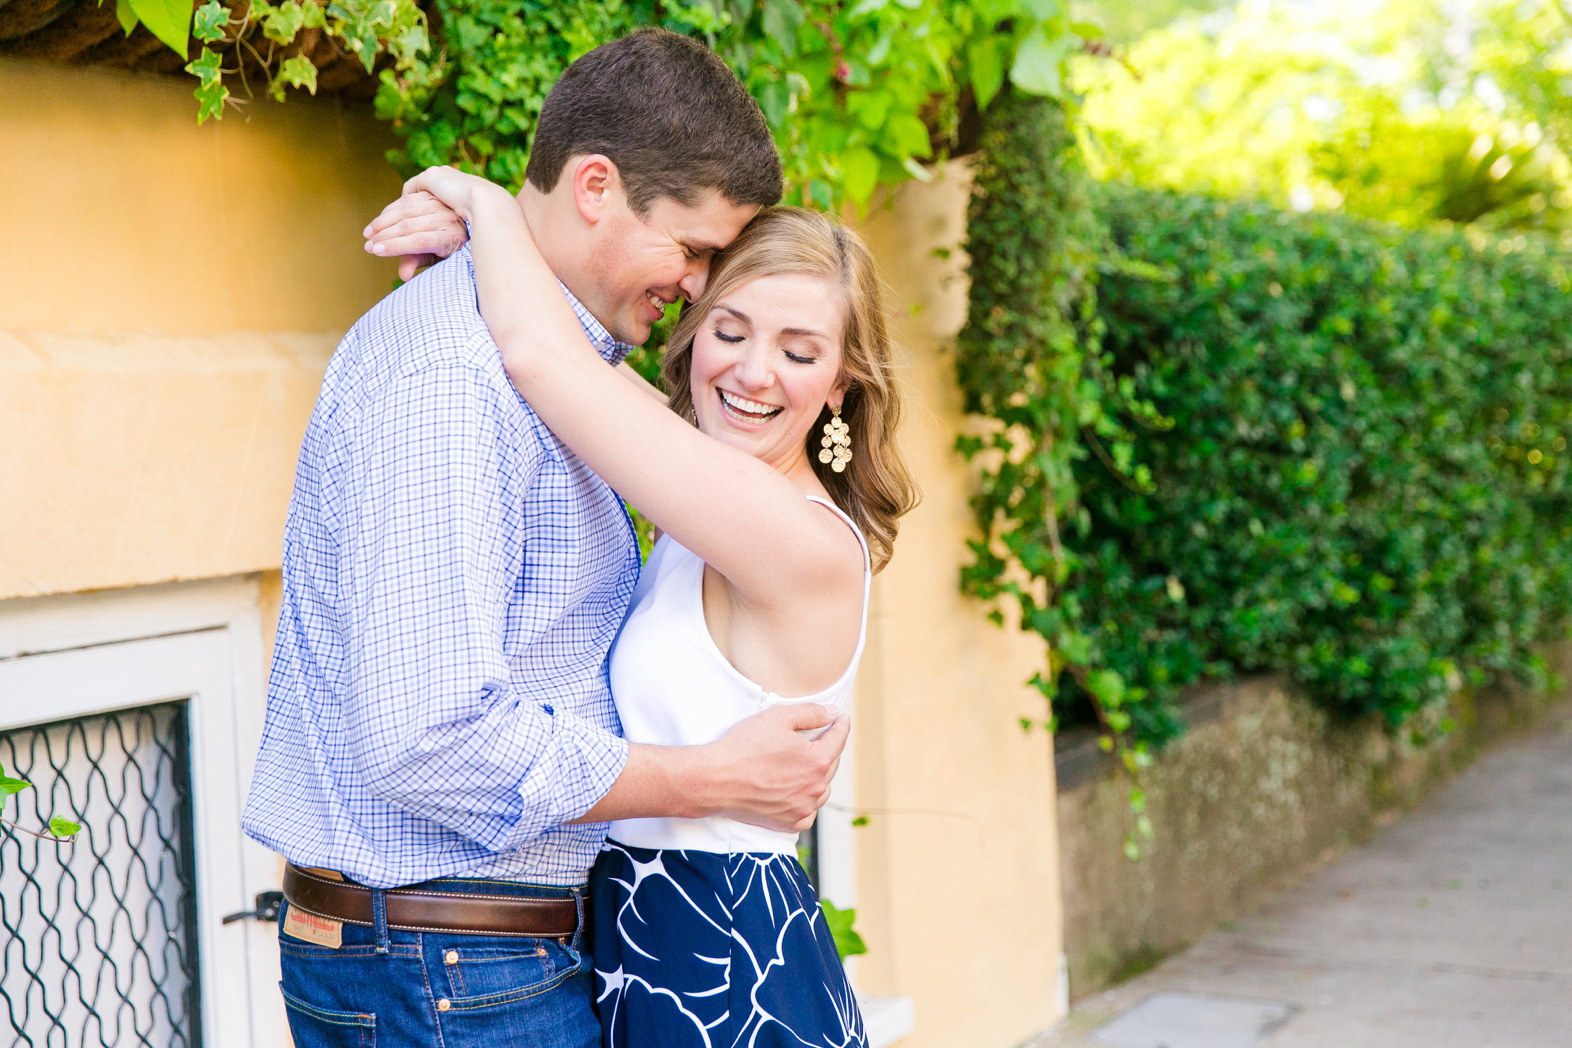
876	488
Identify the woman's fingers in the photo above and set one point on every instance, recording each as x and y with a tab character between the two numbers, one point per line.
418	230
419	236
405	207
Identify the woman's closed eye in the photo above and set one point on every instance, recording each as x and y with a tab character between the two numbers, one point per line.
727	337
799	357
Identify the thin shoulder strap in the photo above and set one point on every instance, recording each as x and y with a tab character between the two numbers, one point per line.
867	558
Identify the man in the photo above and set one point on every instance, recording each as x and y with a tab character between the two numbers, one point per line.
441	751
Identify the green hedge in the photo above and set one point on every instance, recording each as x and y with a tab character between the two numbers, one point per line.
1366	478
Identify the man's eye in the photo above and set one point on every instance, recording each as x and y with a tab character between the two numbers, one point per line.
725	337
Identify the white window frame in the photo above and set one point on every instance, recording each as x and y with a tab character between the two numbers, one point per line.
81	654
888	1019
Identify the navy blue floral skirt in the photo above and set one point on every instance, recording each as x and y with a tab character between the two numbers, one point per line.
702	950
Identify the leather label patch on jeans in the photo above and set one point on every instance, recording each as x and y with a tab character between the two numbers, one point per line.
311	928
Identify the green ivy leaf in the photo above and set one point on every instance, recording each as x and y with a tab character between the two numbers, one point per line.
782	19
211	92
64	827
206	67
208	24
409	45
1107	687
775	99
839	922
1039	64
10	786
294	72
860	174
987	69
285	21
126	14
359	35
169	20
907	134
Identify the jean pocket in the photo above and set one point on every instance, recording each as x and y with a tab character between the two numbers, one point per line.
314	1027
480	976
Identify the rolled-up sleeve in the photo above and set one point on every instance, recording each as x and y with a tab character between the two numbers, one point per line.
428	489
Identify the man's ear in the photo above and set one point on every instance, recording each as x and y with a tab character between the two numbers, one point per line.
597	185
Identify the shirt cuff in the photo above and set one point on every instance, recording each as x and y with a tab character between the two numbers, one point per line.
585	761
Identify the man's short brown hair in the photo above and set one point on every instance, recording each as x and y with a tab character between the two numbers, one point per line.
669	113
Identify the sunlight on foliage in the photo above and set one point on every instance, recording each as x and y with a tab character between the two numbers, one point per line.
1318	116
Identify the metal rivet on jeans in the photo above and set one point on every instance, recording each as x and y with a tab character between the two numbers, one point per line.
451	957
444	1004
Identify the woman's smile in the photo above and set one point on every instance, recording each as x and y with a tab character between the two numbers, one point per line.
741	409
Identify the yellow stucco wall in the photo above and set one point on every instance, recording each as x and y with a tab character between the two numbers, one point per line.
958	869
171	296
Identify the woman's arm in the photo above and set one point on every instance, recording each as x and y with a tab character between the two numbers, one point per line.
642	384
721	503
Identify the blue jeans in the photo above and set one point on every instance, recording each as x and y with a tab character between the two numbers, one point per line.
500	990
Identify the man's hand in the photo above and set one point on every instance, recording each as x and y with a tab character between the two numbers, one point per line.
419	228
768	770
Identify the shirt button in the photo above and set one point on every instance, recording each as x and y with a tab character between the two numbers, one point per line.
451	957
444	1004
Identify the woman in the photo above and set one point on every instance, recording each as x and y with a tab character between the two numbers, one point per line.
773	513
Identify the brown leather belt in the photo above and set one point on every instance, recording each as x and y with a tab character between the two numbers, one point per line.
426	910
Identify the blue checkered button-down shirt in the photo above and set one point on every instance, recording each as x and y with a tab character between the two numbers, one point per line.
453	580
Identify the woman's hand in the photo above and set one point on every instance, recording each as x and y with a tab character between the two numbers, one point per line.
428	222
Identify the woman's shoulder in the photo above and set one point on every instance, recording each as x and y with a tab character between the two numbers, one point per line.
841	526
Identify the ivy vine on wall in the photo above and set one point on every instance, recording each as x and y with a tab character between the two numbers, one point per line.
1030	369
859	93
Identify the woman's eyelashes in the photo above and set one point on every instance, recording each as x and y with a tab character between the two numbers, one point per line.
796	356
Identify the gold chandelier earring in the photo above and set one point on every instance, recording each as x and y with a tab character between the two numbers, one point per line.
836	444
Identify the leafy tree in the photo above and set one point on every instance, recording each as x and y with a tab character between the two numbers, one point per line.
1312	116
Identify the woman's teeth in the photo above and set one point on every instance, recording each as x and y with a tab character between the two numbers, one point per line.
752	410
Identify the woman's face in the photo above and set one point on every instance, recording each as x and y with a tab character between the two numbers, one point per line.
766	360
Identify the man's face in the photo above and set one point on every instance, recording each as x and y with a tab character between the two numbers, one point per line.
639	266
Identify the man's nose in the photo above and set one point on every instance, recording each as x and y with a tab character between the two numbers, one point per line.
694	278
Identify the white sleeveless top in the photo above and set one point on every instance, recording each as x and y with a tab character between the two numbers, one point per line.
674	687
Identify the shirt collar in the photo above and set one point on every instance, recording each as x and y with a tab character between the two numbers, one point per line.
609	348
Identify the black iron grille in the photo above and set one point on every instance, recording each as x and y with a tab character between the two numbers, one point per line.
99	936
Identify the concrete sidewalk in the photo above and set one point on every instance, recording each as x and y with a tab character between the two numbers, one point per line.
1451	929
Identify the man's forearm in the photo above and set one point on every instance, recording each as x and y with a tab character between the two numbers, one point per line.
657	781
764	771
